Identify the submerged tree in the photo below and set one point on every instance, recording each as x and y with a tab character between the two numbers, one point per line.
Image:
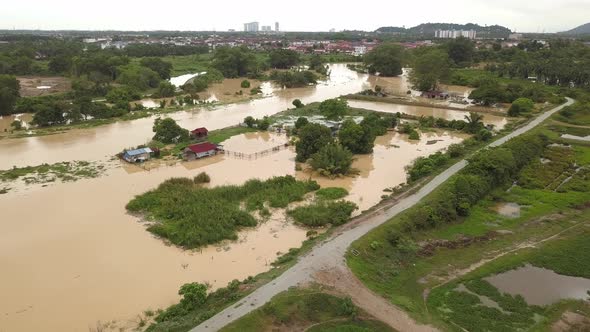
386	59
168	131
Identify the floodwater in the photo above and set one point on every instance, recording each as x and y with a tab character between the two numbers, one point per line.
385	167
540	286
6	120
102	142
77	257
256	142
498	121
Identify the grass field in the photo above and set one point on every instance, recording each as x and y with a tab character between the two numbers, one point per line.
307	309
405	273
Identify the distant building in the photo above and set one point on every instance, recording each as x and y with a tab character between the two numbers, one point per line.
266	28
231	30
251	27
515	36
277	26
332	30
453	34
359	50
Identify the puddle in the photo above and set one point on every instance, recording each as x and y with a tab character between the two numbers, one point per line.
508	210
540	286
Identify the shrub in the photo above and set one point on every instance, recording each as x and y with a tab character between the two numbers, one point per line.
202	178
414	135
323	213
297	103
332	193
521	105
245	84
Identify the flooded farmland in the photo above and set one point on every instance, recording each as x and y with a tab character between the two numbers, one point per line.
96	262
71	256
540	286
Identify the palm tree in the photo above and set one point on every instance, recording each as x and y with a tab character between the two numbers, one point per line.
474	121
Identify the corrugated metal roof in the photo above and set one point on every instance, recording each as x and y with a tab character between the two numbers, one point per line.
138	151
202	147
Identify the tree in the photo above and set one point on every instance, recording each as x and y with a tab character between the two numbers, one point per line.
235	61
168	131
332	159
312	137
193	294
49	114
429	69
386	59
158	65
283	58
166	89
249	121
297	103
461	51
301	122
16	125
521	105
9	94
141	78
263	123
356	138
474	122
483	135
489	92
333	109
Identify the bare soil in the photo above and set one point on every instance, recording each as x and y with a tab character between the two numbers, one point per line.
56	84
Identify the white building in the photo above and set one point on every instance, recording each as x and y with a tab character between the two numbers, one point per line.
359	50
251	27
277	26
454	34
266	28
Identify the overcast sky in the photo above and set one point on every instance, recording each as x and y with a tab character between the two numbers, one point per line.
299	15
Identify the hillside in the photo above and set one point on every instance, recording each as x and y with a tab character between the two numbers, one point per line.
428	29
581	30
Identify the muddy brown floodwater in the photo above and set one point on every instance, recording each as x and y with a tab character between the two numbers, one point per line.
101	142
498	121
72	256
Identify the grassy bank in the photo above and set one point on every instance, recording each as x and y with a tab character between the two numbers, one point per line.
404	264
310	310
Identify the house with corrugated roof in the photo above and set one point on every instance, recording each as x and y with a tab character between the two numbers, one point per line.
137	155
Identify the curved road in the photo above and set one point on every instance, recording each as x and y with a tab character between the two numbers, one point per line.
331	253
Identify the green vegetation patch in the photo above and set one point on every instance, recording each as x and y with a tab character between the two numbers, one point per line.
64	171
323	213
301	308
191	216
332	193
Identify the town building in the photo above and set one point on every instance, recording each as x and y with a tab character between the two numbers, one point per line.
454	34
266	28
277	27
200	150
251	27
137	155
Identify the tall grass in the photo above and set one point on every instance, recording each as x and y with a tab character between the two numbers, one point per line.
191	216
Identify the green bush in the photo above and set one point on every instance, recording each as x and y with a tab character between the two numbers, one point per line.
245	84
323	213
202	178
332	193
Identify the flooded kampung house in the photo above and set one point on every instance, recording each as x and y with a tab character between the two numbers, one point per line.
137	155
200	150
200	133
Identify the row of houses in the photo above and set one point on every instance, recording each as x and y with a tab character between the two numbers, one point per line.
195	151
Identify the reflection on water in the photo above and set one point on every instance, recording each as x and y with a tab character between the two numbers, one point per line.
540	286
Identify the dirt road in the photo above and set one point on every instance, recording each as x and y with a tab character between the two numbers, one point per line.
330	255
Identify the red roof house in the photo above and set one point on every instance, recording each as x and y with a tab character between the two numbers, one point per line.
199	150
200	133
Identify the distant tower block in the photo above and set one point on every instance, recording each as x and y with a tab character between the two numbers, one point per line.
277	26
